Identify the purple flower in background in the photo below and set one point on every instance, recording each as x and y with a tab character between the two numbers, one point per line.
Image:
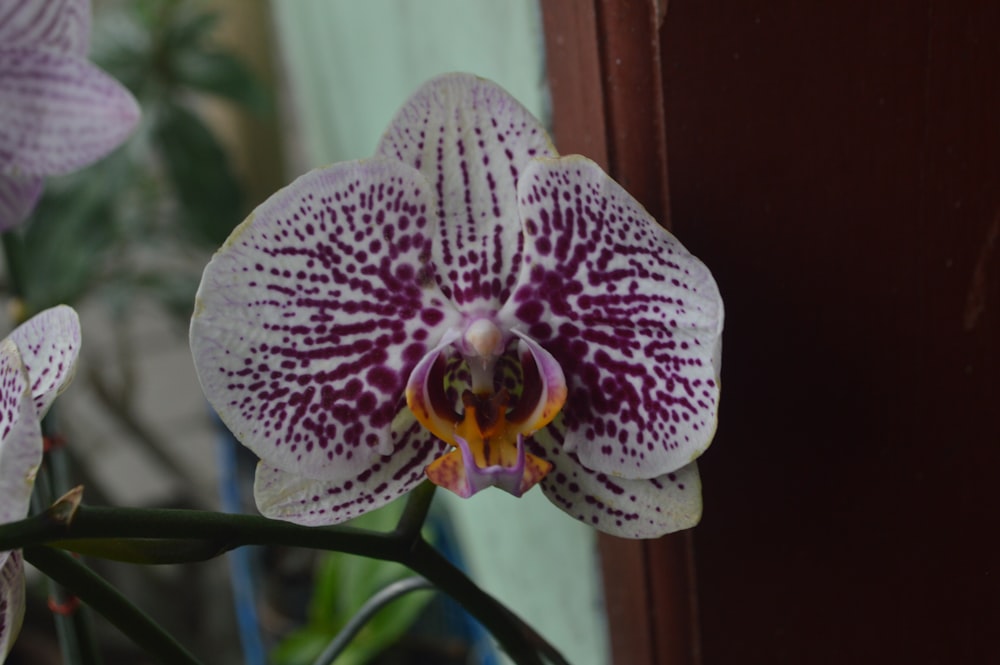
470	307
58	112
37	362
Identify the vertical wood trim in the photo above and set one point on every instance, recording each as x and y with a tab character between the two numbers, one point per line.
603	66
573	69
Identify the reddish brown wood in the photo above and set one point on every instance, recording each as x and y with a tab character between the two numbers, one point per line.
573	67
604	73
838	166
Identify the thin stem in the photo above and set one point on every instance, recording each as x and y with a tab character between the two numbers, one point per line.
365	614
224	532
221	530
415	513
105	599
505	626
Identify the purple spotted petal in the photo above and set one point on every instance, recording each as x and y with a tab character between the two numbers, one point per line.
58	112
643	508
18	197
49	343
310	318
20	436
11	600
472	141
294	498
58	25
633	318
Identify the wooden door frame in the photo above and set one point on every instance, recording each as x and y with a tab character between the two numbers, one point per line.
603	67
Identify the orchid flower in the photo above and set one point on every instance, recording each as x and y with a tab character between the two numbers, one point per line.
470	307
37	361
58	112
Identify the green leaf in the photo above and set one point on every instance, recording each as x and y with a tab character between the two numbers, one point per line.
186	25
300	648
199	170
71	233
222	74
343	583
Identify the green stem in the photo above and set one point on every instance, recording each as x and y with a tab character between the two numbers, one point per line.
509	630
222	532
365	614
101	596
417	504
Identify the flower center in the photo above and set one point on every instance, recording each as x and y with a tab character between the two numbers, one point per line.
489	433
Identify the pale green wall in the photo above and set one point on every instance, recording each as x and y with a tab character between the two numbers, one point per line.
351	65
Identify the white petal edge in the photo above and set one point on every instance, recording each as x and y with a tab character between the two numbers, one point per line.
644	508
294	498
11	601
58	113
49	344
20	436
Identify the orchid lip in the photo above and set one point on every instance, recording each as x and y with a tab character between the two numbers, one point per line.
489	428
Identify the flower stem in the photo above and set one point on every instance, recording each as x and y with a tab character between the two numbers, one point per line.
365	614
105	599
417	504
220	532
505	626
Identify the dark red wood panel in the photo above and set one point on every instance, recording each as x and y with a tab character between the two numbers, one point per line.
838	165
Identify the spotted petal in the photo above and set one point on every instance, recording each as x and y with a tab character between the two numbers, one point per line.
20	436
49	343
633	318
295	498
11	600
58	112
18	197
642	508
58	25
311	317
472	141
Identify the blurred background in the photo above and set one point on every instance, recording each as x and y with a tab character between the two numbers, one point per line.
239	97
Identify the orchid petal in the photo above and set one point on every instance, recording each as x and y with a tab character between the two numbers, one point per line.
59	25
11	600
472	141
58	112
295	498
633	318
20	436
311	317
551	385
642	508
18	197
421	399
49	343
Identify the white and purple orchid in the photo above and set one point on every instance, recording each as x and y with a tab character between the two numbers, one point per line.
470	307
58	112
37	361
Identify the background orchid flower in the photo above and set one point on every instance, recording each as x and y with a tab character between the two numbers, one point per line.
469	306
58	112
37	361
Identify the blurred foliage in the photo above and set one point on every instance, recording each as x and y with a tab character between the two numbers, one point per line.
343	583
142	220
